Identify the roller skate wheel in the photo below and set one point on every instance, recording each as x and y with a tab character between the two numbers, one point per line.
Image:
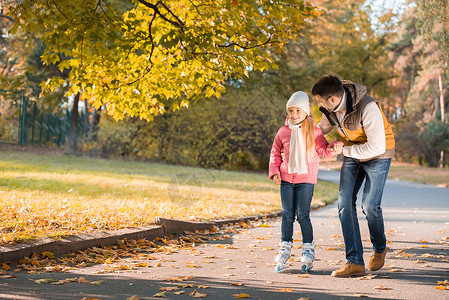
278	268
281	267
306	268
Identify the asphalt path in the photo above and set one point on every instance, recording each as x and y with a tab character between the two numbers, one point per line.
417	227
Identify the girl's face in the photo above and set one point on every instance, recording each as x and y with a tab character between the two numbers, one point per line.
296	114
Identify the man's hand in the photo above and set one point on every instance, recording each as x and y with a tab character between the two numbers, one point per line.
336	148
277	179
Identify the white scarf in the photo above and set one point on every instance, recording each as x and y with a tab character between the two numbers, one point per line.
297	155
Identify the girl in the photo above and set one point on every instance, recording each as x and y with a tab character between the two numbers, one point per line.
294	165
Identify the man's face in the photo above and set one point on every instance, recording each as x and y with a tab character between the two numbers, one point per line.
329	104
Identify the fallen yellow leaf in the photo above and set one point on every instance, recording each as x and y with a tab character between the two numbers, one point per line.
110	260
179	278
143	265
420	262
160	295
446	282
442	287
169	288
366	277
48	254
187	277
397	270
133	298
241	295
195	294
236	283
83	280
97	282
286	290
381	287
46	280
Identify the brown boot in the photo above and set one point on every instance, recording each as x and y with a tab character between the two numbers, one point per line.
350	269
377	260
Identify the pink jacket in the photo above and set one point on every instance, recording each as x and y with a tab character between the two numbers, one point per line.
280	152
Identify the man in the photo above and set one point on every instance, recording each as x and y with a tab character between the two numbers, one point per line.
369	148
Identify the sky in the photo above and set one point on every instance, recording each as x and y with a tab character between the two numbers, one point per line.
379	7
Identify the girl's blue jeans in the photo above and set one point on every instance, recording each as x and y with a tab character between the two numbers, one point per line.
296	199
353	173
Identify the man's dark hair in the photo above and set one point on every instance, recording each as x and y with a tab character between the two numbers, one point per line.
328	86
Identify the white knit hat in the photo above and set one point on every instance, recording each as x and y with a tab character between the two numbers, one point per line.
301	100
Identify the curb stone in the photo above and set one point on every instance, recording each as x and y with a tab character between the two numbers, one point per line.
84	241
77	242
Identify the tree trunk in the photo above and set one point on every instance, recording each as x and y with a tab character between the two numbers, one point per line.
73	135
95	120
86	120
442	111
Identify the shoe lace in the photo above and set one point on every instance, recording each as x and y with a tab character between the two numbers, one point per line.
348	265
308	253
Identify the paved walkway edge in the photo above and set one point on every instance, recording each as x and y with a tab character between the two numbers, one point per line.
107	238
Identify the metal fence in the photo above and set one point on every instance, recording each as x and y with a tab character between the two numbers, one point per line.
35	125
40	127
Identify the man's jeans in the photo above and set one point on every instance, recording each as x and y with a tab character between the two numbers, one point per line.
353	173
296	199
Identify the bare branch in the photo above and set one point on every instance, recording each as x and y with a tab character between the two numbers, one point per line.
383	79
7	17
101	7
196	8
151	35
179	23
269	41
57	7
148	69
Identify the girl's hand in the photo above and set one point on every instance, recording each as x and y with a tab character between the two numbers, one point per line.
276	179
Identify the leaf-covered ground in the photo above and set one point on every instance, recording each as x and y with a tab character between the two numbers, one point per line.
232	261
56	195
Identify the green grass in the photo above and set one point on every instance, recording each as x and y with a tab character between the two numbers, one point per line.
56	195
420	174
